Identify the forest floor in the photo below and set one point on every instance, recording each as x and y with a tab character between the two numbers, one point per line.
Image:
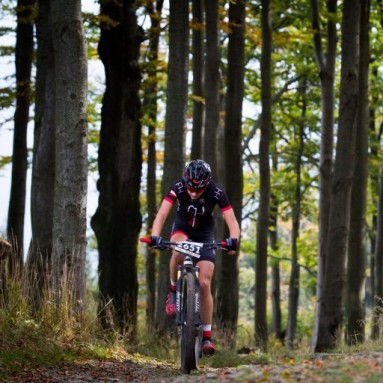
363	367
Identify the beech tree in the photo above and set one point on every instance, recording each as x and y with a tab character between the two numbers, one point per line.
117	221
228	289
331	303
150	106
198	63
43	168
356	262
326	73
176	105
261	332
23	59
71	166
211	84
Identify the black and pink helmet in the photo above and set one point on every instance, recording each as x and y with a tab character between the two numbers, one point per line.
197	174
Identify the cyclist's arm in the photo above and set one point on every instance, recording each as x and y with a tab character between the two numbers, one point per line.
232	223
161	217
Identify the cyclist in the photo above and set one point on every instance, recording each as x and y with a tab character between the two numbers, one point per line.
196	195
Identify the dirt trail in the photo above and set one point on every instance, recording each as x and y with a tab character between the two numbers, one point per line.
358	368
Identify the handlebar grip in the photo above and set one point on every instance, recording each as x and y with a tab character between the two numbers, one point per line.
223	243
145	240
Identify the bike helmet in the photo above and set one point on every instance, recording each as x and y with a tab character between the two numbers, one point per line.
197	174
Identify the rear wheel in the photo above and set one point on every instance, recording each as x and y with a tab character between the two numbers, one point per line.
188	332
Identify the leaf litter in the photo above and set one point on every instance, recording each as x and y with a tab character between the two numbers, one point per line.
321	368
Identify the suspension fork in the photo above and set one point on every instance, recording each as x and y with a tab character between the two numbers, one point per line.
181	270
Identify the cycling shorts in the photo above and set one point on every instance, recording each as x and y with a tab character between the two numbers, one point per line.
196	235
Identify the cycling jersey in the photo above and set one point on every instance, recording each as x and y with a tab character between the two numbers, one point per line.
194	217
197	213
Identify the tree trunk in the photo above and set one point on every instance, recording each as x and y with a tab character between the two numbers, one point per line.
176	103
211	82
117	221
69	213
264	170
150	106
276	312
220	226
375	137
198	78
43	169
378	298
331	303
355	310
228	289
16	212
5	252
326	72
292	318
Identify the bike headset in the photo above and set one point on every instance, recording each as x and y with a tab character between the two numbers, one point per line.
197	174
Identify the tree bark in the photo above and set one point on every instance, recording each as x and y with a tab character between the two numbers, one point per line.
355	310
376	257
5	251
228	289
293	301
16	212
326	71
331	303
211	84
198	78
117	221
43	170
176	103
150	106
71	169
276	312
378	298
261	335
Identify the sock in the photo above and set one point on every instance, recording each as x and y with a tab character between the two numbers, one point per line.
206	335
173	286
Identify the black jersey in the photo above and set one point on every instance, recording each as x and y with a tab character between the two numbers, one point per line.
197	213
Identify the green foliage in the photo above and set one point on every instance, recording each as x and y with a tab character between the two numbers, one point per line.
7	97
229	358
6	50
4	161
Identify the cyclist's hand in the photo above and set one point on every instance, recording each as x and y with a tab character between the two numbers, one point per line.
231	245
156	242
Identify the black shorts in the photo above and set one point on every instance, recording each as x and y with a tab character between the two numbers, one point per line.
196	235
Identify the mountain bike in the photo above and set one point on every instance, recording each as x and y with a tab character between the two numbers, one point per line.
188	299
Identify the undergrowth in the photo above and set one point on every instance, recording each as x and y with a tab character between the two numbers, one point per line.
59	332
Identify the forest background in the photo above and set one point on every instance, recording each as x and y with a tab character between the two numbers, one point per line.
301	166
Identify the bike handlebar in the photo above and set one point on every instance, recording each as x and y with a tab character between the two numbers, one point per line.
218	245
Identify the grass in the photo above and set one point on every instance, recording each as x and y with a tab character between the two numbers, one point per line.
57	333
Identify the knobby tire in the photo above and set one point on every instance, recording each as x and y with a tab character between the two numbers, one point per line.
188	332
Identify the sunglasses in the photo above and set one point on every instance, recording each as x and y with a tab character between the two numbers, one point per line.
193	190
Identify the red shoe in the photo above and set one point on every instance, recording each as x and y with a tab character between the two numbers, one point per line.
171	304
208	348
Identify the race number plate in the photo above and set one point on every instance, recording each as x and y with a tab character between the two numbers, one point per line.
190	248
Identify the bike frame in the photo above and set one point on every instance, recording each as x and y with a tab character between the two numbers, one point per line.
188	299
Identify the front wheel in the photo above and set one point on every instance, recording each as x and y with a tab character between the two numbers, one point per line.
188	331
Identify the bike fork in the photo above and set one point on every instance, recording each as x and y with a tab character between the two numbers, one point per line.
179	314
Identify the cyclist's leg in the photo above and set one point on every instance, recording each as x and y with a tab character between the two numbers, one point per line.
206	307
175	260
205	276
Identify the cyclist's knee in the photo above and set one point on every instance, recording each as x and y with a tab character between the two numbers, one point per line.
204	284
177	258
